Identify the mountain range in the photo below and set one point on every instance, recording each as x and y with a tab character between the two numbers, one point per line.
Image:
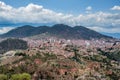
58	30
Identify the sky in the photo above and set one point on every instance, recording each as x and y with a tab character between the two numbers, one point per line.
99	15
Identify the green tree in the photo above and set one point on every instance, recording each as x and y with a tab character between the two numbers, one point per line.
76	54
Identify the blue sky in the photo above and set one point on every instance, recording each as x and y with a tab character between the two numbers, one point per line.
67	6
99	15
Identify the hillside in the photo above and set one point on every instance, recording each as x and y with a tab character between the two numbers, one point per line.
64	62
12	44
58	30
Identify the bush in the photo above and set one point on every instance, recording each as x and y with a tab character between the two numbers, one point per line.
15	77
3	77
24	76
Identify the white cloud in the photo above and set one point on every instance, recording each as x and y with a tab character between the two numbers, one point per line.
89	8
33	13
5	29
115	8
4	7
102	29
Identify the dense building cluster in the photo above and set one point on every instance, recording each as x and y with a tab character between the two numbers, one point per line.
56	59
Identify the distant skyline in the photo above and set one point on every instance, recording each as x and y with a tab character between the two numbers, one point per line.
99	15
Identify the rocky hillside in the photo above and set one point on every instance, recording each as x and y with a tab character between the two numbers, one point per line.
64	62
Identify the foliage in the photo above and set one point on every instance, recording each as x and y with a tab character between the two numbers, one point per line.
115	55
3	77
15	77
24	76
99	58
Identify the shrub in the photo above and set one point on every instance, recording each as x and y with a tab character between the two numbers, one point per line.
15	77
24	76
3	77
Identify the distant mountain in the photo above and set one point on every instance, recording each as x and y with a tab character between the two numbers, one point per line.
58	30
114	35
25	31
